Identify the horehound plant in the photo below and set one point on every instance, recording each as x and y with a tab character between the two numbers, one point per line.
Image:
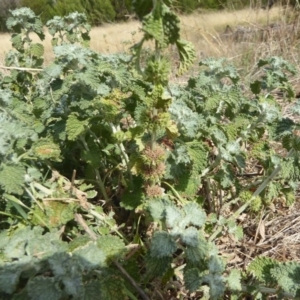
161	26
125	136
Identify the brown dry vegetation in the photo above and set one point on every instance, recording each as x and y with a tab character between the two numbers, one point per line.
202	29
206	33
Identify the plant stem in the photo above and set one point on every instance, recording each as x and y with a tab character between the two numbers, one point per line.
270	291
125	159
212	166
131	280
98	176
176	194
79	219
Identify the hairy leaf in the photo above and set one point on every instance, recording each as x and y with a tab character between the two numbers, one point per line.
75	127
45	287
90	256
162	245
157	266
234	280
187	55
112	246
194	214
287	275
109	286
192	279
12	178
9	278
45	148
132	197
36	50
261	268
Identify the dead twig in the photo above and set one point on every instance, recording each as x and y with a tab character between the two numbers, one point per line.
21	69
79	219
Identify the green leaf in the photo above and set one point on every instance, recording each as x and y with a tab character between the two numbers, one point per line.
45	148
199	156
156	209
187	55
4	239
173	216
78	242
59	213
112	287
24	18
14	133
133	196
75	127
216	265
197	254
112	246
15	248
192	279
261	268
157	266
216	285
218	135
239	233
73	285
162	245
90	77
194	214
234	280
53	70
12	178
21	295
109	286
225	176
187	120
190	237
255	87
93	156
17	204
17	41
93	290
62	263
90	256
44	245
213	102
41	287
287	275
9	278
36	50
153	26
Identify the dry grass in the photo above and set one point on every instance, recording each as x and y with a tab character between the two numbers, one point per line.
109	38
197	28
217	21
203	30
5	45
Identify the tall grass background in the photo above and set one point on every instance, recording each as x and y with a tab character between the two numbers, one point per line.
206	31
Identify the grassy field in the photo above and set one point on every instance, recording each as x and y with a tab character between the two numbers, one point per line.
204	30
199	28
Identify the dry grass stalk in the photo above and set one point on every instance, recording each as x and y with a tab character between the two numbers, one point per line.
202	29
